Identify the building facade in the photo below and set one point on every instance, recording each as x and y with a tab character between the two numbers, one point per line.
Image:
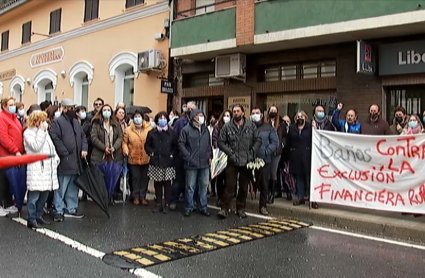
51	50
297	54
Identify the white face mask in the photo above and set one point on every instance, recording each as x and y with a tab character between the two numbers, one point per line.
45	125
226	119
201	120
255	117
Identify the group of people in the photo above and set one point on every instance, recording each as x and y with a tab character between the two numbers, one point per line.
174	152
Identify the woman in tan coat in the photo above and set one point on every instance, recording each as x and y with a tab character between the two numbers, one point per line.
133	146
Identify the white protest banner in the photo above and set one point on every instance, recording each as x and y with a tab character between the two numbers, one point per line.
374	172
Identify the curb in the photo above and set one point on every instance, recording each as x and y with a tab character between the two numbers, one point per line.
380	224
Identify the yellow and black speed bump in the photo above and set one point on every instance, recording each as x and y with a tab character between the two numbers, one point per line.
167	251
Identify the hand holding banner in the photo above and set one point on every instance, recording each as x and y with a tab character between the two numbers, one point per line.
375	172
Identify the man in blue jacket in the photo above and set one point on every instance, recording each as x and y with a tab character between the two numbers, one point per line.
269	144
196	150
71	145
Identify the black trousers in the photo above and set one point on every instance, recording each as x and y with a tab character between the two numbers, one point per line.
231	181
160	187
139	181
262	181
5	195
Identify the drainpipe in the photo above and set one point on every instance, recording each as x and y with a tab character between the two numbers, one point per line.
171	77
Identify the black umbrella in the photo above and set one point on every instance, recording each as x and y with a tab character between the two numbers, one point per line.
143	109
93	184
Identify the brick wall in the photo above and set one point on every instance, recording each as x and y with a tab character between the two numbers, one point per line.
245	22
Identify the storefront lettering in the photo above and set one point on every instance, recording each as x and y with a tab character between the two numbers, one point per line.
47	57
8	74
410	58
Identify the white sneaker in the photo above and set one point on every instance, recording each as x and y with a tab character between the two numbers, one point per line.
3	213
11	210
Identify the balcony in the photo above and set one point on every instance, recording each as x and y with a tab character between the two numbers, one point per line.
205	32
284	24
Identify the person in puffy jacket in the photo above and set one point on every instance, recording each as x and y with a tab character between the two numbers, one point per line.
240	141
42	175
269	144
195	148
350	124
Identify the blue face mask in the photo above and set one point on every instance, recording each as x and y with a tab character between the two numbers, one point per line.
12	109
320	115
413	124
162	122
423	119
106	114
153	124
137	121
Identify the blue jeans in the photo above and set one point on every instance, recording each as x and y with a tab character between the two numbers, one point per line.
35	203
66	196
303	183
198	178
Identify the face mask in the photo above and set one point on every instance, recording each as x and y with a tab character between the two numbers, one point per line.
21	112
184	109
413	124
373	116
153	124
273	115
45	125
256	117
162	122
57	114
320	115
106	114
212	122
137	121
237	118
201	120
399	119
12	109
71	114
423	119
300	121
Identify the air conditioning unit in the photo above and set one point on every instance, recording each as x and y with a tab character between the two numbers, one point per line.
231	66
150	60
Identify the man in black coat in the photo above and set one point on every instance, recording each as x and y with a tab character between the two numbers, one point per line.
240	141
71	145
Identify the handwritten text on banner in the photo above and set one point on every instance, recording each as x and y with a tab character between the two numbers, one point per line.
375	172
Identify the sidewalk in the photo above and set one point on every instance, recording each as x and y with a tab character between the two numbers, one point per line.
378	223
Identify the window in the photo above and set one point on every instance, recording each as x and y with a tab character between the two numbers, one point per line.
91	10
132	3
85	92
409	97
280	73
328	69
212	81
5	40
26	32
55	21
289	72
272	74
201	5
309	71
48	91
128	90
203	79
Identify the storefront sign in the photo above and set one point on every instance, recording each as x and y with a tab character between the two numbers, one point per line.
47	57
167	87
244	101
365	58
8	74
370	172
402	58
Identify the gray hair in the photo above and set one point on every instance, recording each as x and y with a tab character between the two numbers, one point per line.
191	103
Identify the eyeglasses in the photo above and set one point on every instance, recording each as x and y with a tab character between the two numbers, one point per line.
98	104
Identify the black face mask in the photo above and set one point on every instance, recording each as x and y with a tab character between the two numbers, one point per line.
71	114
212	122
237	118
373	116
399	119
273	115
300	121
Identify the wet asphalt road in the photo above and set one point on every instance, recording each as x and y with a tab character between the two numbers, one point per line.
301	253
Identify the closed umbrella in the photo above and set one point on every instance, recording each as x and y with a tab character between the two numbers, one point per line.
17	177
18	160
111	173
218	163
125	188
93	184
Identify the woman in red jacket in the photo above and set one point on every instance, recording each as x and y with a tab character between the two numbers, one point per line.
11	143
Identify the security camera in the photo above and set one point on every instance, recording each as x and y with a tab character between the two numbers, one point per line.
159	36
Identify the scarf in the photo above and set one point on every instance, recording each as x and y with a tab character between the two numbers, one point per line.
320	122
109	135
415	130
165	128
123	125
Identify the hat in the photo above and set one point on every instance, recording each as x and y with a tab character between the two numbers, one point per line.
195	112
67	102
